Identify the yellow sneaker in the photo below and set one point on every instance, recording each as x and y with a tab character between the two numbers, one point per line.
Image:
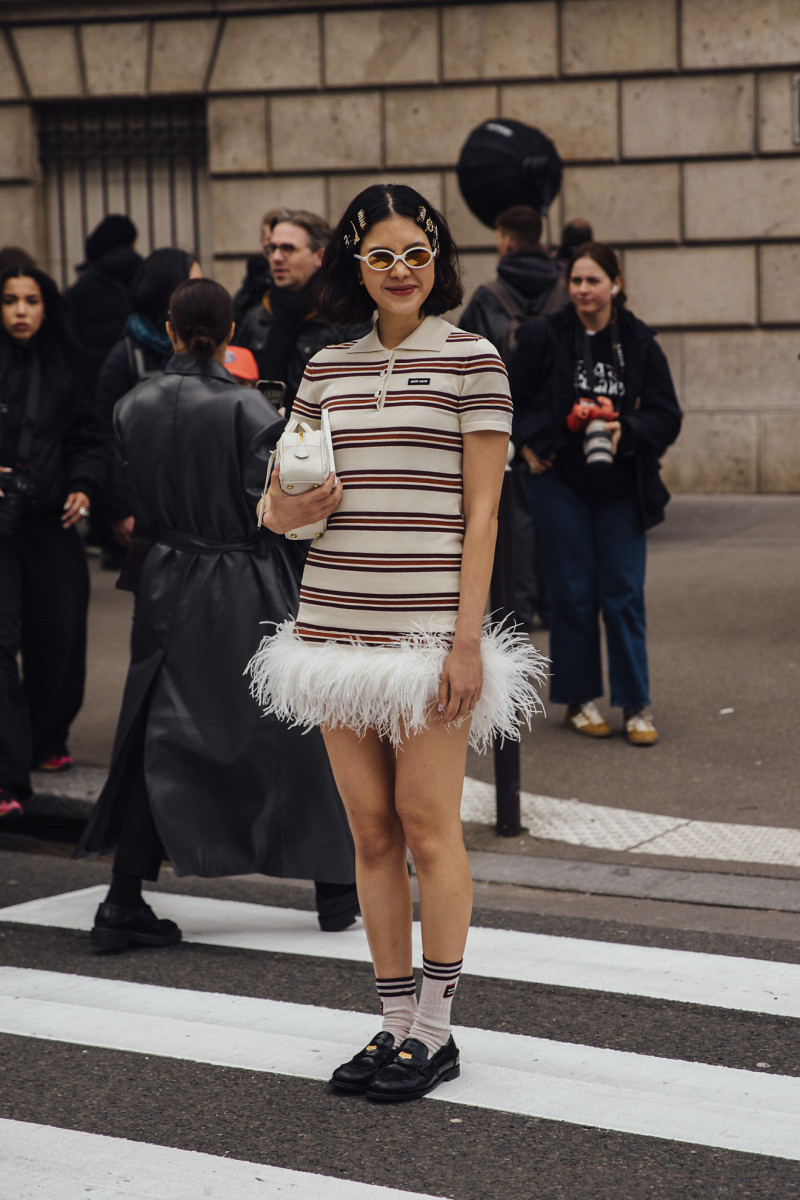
639	727
587	719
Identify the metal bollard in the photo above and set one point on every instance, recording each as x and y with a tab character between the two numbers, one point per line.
506	757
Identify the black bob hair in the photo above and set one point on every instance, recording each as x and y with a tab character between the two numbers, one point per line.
156	280
340	297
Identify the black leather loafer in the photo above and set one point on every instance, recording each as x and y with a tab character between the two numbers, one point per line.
412	1072
117	928
355	1075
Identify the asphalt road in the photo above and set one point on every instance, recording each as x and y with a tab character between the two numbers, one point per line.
177	1096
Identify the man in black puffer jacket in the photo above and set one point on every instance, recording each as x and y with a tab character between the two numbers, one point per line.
99	303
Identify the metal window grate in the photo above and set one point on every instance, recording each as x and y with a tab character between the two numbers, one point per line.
146	159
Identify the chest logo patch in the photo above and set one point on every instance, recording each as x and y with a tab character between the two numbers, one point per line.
417	382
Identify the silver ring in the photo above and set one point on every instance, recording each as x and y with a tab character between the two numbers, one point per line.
84	512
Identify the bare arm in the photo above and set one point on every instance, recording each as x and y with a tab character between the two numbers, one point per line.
483	466
284	512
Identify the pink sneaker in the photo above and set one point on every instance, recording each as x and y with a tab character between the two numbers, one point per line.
56	762
9	805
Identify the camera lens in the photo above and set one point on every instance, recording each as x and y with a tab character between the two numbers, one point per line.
597	443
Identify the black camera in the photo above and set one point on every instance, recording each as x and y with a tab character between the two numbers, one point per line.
17	488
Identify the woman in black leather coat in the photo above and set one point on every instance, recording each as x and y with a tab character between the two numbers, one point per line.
48	478
197	774
592	516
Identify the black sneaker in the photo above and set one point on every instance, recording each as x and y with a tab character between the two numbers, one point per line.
117	928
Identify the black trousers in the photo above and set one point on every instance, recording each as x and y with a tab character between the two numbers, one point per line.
140	850
44	599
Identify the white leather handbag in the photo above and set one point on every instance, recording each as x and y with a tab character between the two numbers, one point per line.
305	458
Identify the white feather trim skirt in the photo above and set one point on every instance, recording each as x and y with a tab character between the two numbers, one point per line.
392	689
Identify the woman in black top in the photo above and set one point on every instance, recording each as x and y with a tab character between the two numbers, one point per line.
591	374
53	460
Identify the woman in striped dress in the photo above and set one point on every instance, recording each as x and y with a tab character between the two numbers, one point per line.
390	653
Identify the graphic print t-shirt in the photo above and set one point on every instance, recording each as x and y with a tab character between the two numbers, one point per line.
596	374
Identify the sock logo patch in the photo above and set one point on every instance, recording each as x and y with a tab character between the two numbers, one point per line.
449	991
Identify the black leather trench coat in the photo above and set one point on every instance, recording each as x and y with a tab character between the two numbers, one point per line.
231	791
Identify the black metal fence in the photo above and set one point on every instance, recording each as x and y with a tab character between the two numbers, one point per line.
143	158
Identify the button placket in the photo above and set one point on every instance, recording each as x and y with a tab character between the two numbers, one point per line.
385	375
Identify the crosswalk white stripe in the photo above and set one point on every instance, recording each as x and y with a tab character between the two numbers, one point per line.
608	1089
716	980
40	1162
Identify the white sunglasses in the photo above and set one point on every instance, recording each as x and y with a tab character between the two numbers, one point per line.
416	257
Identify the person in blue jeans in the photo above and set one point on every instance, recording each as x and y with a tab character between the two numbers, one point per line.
594	410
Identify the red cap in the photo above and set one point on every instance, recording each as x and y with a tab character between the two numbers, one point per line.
240	363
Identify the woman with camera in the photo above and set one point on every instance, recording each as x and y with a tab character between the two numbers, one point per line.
594	410
197	775
53	460
389	654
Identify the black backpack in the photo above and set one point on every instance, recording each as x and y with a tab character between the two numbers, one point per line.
516	314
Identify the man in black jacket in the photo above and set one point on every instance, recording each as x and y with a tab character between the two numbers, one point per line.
528	284
283	331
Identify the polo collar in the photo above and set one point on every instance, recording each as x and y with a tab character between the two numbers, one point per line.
430	335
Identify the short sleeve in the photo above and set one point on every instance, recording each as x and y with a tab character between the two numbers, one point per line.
306	406
485	401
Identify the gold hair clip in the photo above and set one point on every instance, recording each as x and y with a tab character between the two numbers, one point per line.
356	238
421	213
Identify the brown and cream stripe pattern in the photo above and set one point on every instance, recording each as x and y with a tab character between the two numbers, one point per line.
389	563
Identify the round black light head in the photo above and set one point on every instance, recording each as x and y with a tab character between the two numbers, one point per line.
504	163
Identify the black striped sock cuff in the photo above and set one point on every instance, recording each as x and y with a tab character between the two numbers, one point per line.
445	971
404	986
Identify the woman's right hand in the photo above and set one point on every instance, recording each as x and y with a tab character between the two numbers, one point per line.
536	465
283	512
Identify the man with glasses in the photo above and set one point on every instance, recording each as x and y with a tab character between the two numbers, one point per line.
283	331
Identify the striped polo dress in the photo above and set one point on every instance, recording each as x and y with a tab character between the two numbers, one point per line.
380	589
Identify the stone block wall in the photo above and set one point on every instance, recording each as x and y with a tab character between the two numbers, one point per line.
676	119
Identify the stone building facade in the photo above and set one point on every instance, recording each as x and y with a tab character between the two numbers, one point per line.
677	121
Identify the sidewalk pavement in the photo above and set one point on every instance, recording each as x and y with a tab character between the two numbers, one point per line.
724	643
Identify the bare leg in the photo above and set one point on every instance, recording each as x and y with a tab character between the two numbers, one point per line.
364	770
429	782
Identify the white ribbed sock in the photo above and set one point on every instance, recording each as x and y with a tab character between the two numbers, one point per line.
432	1022
398	1005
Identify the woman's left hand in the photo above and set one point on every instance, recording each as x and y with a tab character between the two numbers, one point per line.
460	683
76	506
615	429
